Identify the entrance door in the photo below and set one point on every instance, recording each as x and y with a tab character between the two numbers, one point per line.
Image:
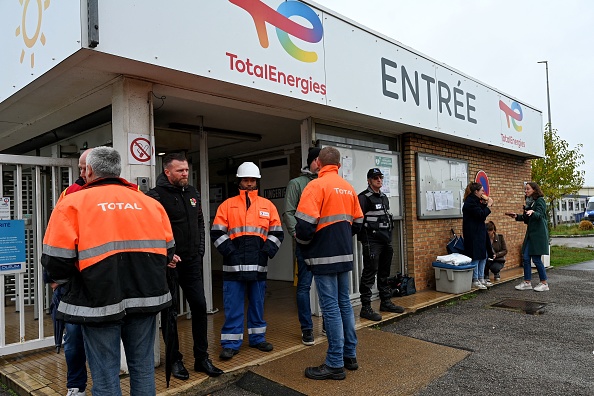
273	184
29	188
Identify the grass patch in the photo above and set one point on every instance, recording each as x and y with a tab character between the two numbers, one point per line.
569	229
5	389
562	255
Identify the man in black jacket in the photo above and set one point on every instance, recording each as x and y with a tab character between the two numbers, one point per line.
182	204
376	238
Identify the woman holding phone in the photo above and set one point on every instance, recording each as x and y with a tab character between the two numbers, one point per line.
476	208
536	241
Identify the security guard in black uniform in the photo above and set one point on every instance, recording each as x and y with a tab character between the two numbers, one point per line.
376	237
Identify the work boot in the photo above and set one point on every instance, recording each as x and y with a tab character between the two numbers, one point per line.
389	306
368	313
324	372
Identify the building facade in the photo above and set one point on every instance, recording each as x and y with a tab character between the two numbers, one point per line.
233	81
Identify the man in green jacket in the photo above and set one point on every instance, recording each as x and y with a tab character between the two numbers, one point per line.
304	276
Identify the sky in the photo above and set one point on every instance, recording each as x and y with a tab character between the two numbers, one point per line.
499	43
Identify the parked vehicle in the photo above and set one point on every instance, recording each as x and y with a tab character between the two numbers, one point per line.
589	213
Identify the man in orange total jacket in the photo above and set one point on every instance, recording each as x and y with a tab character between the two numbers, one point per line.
111	244
328	216
247	231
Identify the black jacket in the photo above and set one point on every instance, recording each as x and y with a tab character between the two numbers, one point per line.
474	229
185	214
377	224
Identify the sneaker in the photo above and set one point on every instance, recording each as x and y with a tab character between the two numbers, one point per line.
389	306
479	285
487	283
324	372
307	337
368	313
541	287
497	278
524	286
228	353
75	392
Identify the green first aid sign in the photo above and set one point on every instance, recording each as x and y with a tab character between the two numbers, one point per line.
383	162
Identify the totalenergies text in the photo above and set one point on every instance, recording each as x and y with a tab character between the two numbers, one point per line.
271	73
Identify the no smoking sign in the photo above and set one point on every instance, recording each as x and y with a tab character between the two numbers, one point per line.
140	149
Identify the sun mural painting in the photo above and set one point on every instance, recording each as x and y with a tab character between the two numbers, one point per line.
30	41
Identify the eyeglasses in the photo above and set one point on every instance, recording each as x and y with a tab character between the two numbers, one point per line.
378	177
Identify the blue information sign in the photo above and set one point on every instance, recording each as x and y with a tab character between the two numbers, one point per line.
12	246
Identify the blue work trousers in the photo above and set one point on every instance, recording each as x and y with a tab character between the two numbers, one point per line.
234	301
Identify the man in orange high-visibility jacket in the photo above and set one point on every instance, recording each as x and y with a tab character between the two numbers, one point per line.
247	231
111	244
328	216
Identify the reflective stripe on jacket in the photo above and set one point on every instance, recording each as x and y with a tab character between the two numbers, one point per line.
246	237
113	243
328	216
377	223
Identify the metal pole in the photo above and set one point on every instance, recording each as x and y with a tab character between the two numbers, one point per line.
550	128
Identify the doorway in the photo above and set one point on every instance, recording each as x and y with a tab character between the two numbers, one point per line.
273	185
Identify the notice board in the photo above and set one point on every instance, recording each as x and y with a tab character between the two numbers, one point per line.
356	161
441	183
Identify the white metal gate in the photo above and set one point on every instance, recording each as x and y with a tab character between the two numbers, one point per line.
32	185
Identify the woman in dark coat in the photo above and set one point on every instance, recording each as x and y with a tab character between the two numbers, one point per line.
474	213
536	241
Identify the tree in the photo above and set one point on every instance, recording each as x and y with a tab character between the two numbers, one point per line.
557	173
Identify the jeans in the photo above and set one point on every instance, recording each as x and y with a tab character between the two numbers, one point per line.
304	278
527	259
189	274
478	272
76	360
377	260
333	291
102	345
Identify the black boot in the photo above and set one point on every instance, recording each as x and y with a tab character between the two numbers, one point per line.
389	306
368	313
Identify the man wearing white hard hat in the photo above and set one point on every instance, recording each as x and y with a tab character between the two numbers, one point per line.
247	231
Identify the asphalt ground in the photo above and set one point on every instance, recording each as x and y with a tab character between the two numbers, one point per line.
510	352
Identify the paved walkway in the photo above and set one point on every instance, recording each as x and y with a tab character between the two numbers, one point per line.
463	347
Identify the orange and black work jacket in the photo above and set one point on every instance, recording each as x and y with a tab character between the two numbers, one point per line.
246	236
110	245
328	216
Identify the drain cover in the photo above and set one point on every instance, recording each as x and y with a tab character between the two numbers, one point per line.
529	307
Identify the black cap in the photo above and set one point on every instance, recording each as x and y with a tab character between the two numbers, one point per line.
371	173
312	154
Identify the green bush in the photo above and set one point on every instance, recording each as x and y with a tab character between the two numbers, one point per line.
585	225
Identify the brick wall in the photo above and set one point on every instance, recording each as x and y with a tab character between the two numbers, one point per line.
426	239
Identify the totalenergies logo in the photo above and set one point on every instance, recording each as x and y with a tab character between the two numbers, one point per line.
285	27
28	39
514	112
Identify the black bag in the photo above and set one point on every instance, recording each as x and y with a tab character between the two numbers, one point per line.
456	244
402	285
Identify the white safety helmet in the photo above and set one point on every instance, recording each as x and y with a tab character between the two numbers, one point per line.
248	169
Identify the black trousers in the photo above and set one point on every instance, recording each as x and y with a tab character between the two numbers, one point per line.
377	259
494	267
189	277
